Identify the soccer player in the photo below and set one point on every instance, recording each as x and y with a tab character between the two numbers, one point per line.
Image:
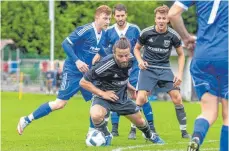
209	67
132	32
157	42
108	81
80	46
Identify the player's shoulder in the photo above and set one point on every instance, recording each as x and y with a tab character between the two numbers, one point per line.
134	26
84	29
110	28
105	64
147	30
173	32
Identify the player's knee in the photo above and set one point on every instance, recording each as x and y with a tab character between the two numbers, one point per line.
57	104
96	113
176	98
142	98
140	122
225	117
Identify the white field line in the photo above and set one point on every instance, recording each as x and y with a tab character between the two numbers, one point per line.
148	145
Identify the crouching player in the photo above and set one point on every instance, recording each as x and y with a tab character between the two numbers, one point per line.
108	81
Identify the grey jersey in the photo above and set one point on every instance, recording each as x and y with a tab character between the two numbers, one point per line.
106	75
157	46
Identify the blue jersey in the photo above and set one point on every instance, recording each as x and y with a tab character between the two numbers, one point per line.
113	34
83	43
132	32
212	36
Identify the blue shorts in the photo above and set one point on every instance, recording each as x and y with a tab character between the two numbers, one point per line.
210	76
70	86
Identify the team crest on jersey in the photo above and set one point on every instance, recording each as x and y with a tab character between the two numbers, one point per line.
166	43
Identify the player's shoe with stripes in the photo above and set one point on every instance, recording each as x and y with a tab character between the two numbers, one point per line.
155	138
194	144
185	134
22	125
108	139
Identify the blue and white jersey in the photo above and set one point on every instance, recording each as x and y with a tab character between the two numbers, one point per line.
212	36
113	34
83	43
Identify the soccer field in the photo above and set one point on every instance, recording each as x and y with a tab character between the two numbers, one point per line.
66	130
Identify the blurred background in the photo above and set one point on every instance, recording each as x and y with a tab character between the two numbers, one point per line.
32	32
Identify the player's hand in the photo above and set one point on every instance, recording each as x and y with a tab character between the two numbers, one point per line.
133	93
190	43
82	66
142	64
110	95
177	81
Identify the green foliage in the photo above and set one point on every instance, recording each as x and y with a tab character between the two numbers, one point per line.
27	22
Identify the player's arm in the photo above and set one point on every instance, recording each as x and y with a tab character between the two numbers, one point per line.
177	22
86	83
96	58
131	90
137	52
181	62
68	46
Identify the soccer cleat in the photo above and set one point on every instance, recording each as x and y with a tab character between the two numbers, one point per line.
185	135
108	139
155	138
194	144
22	125
115	133
132	134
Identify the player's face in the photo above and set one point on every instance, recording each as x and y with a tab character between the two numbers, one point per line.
120	17
161	21
103	20
122	57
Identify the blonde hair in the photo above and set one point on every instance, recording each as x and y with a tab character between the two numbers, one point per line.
103	9
162	9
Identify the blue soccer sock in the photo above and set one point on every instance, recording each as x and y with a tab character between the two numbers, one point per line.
114	118
91	123
224	138
147	109
43	110
200	129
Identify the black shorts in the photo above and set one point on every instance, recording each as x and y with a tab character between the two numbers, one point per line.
162	78
129	107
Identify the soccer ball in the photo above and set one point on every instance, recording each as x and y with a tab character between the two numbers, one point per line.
95	138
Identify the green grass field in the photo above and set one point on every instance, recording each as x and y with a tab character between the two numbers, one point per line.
66	130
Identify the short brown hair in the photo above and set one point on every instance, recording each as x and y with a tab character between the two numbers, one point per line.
119	7
162	9
122	43
103	9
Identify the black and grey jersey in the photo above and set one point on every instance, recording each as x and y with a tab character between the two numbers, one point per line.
107	75
157	46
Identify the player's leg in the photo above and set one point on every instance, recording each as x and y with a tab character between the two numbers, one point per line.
115	122
224	129
98	111
68	89
180	111
209	113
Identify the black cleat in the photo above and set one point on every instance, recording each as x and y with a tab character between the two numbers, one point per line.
185	134
194	144
132	134
115	133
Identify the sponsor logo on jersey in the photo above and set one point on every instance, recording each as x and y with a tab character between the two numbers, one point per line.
94	50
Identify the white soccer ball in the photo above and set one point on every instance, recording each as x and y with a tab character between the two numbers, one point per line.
95	138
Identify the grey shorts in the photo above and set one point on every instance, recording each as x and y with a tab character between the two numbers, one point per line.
129	107
160	78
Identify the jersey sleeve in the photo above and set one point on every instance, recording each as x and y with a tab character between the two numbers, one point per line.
94	72
176	40
142	38
70	41
184	3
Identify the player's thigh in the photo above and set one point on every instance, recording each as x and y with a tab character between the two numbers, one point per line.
127	108
69	86
99	103
146	80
